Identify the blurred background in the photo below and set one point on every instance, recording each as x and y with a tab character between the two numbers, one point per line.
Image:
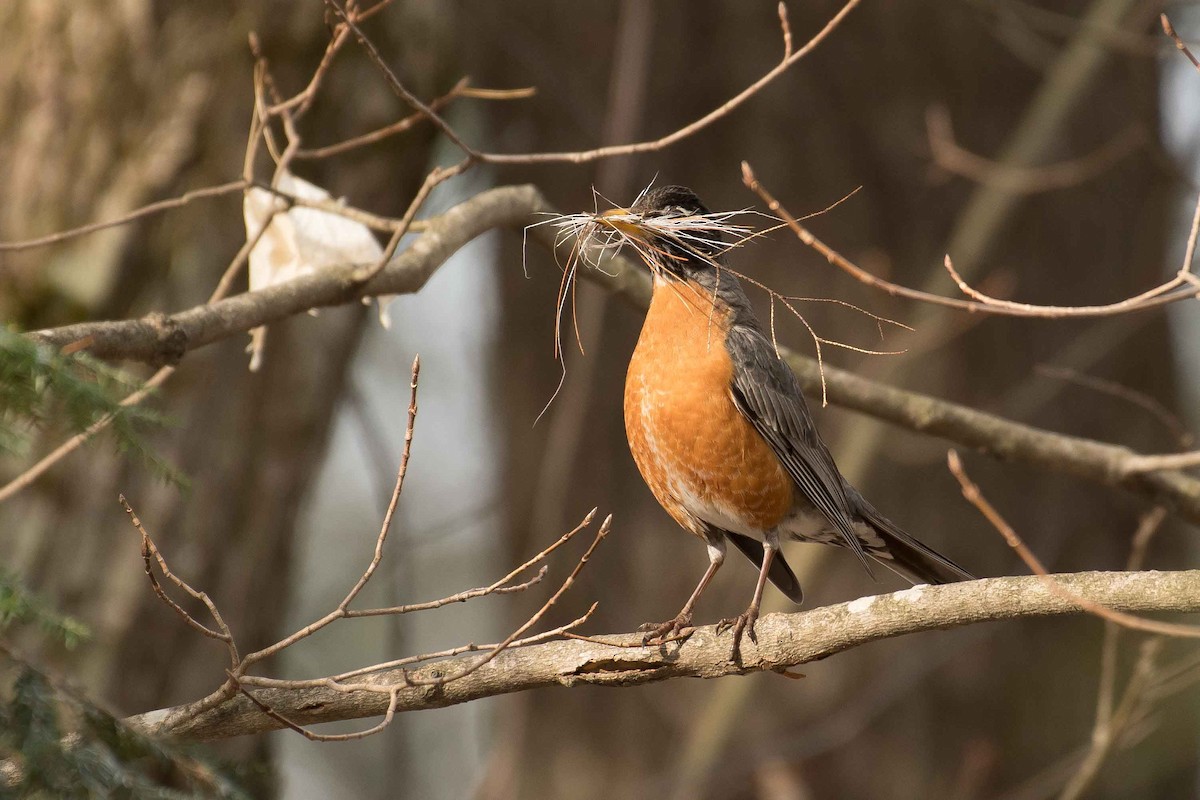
1088	125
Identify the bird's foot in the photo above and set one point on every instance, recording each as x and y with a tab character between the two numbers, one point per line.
741	624
675	629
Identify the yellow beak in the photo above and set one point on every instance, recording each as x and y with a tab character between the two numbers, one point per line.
617	219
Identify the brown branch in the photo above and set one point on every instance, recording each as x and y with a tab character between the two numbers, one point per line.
1171	291
950	156
236	677
1111	723
442	679
1169	30
460	89
145	211
784	640
150	551
1139	464
1160	412
518	206
975	497
157	322
143	339
585	156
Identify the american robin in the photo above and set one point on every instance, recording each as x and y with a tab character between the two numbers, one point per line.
719	429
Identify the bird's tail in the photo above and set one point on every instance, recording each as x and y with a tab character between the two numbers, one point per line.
906	555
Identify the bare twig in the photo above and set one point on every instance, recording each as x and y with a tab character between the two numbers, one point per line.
1111	723
435	177
394	83
581	157
1169	30
498	587
323	737
1140	464
537	616
145	211
460	89
237	680
163	329
975	497
300	103
1118	721
1171	291
150	550
553	633
953	158
1160	412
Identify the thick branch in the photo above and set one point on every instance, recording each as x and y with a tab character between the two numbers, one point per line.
161	337
784	640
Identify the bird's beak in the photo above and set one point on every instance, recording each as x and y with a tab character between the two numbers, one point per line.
622	220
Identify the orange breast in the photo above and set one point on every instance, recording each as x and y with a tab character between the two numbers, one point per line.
693	447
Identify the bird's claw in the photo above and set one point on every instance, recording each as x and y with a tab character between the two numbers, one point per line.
743	623
678	628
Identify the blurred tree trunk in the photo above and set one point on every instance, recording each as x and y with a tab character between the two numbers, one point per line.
111	107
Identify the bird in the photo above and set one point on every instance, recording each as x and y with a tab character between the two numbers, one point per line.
719	429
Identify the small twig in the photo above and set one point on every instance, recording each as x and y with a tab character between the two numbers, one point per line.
953	158
341	609
302	101
389	715
405	454
460	597
150	550
585	156
397	87
1105	732
541	612
436	176
1164	415
460	89
974	496
379	134
278	683
155	381
1169	29
1117	723
787	31
1169	292
145	211
1161	295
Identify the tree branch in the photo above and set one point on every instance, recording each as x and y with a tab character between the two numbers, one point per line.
784	640
159	338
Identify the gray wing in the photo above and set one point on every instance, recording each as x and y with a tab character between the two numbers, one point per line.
767	393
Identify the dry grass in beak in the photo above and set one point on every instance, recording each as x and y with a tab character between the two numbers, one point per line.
595	237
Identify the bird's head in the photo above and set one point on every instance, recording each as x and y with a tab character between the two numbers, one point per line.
672	230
